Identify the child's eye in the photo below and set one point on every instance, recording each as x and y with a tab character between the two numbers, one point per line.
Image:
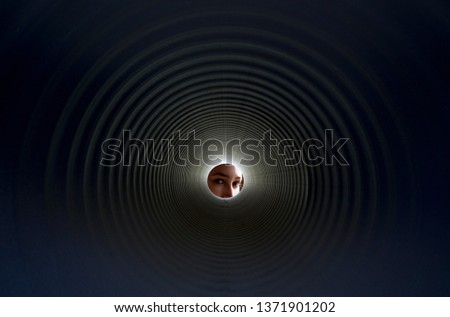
236	184
218	181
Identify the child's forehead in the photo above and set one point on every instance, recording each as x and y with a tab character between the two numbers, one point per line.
226	169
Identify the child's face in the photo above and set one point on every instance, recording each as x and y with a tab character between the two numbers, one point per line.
224	180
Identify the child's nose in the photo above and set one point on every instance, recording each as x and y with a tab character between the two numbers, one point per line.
228	191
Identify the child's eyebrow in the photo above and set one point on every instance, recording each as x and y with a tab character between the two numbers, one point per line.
225	175
220	174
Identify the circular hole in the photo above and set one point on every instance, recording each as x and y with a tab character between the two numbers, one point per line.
225	181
